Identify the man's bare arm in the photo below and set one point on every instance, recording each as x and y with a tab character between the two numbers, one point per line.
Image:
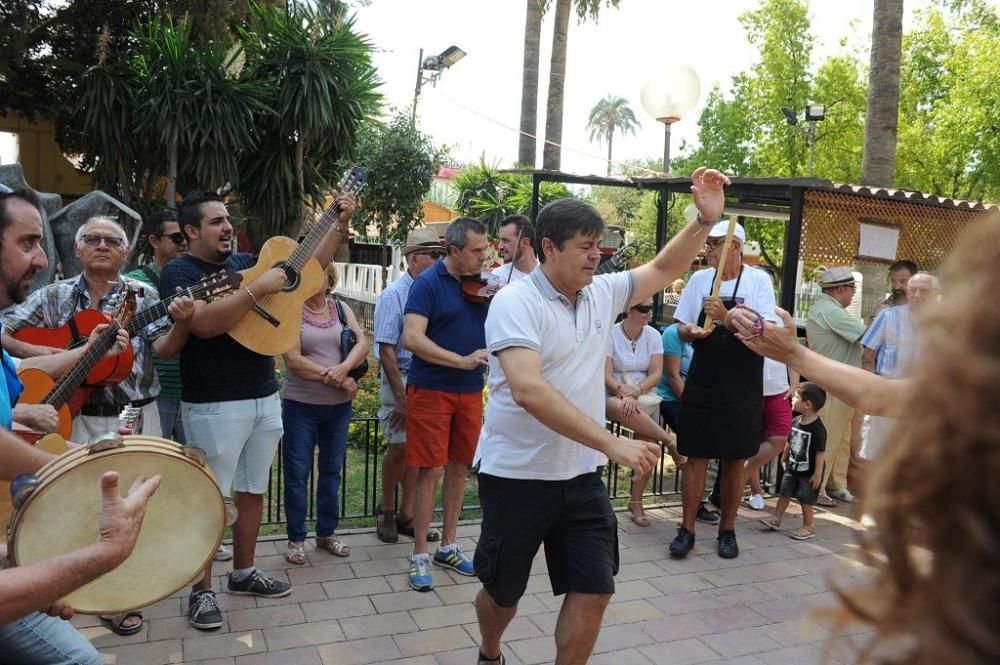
868	358
18	458
523	369
415	339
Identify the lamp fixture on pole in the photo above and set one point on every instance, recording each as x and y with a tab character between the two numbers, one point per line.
435	64
814	113
668	97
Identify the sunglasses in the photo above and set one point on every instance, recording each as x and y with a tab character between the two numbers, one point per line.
437	254
176	237
643	309
93	240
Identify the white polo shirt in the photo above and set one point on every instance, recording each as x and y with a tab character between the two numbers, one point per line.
573	344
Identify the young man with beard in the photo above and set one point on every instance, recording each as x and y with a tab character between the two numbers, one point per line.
32	620
229	394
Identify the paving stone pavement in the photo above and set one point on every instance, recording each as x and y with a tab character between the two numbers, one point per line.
757	609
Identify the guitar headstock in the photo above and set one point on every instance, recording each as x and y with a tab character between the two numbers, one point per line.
618	260
215	285
125	307
353	181
130	420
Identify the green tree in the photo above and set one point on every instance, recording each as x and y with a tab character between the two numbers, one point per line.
325	85
878	166
489	195
401	163
611	115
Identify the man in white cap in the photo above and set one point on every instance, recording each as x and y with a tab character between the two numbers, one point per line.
721	408
423	248
834	333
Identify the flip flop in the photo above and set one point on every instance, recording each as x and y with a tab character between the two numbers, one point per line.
638	520
117	623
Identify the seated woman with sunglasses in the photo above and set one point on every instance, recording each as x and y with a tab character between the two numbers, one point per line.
631	374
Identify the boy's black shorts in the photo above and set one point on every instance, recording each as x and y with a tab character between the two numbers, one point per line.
572	517
798	487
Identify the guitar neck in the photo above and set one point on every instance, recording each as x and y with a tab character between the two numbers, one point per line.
309	244
73	379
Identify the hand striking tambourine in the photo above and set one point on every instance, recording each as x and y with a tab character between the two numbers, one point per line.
56	512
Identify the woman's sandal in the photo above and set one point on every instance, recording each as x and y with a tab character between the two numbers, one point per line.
117	623
296	553
639	520
406	528
333	545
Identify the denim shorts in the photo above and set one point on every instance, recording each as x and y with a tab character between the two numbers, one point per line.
798	487
240	438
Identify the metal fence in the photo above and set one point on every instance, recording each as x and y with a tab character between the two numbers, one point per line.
362	466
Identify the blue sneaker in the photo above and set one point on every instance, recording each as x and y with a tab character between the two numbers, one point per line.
456	560
420	573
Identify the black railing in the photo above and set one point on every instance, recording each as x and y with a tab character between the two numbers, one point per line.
361	479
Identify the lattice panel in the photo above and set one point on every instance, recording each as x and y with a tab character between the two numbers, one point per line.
831	232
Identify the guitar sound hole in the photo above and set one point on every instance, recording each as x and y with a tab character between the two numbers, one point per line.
292	277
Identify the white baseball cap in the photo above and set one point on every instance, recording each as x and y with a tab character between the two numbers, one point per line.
722	228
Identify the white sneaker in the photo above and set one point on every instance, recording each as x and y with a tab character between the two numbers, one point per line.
842	495
756	502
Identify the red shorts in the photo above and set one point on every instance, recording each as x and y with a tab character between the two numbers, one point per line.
441	427
777	417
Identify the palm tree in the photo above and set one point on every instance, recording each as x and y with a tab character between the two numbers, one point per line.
878	163
551	153
608	116
526	149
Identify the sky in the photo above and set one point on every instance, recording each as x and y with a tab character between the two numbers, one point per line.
475	107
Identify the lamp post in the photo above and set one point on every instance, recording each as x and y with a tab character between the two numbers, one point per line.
814	113
668	97
435	64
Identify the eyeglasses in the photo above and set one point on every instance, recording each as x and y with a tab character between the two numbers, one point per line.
643	309
93	240
437	254
714	242
176	237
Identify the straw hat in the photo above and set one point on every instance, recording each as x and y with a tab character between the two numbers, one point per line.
422	238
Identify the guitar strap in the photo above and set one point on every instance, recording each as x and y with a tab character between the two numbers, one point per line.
77	337
154	278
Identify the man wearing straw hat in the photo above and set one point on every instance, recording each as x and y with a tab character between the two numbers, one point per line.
720	414
423	248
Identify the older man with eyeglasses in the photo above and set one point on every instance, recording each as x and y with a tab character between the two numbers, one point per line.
102	245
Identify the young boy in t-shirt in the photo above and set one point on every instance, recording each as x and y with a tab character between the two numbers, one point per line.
802	460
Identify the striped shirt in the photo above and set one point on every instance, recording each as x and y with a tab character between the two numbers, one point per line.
893	337
167	371
54	305
389	319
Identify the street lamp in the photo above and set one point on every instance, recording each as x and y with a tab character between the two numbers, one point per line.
814	113
668	97
435	64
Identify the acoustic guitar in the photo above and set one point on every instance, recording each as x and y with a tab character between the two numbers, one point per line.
70	392
274	324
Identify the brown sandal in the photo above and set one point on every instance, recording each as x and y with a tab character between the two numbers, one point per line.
333	545
406	528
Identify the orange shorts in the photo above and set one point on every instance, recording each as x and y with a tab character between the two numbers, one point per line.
441	427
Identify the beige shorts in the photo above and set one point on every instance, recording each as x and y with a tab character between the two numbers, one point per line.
391	435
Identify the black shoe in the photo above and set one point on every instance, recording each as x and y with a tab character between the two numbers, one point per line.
706	516
483	660
259	584
728	549
682	544
204	610
715	500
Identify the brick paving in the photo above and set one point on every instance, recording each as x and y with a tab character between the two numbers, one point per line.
758	609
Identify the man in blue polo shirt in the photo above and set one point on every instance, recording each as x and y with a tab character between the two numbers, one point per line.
444	392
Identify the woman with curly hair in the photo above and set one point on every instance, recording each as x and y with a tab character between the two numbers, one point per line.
936	594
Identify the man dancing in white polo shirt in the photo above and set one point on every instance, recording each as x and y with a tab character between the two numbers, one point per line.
543	441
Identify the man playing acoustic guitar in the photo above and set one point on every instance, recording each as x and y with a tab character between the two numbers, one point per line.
229	394
102	245
31	629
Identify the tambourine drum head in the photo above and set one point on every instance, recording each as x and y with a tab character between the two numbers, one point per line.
184	523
